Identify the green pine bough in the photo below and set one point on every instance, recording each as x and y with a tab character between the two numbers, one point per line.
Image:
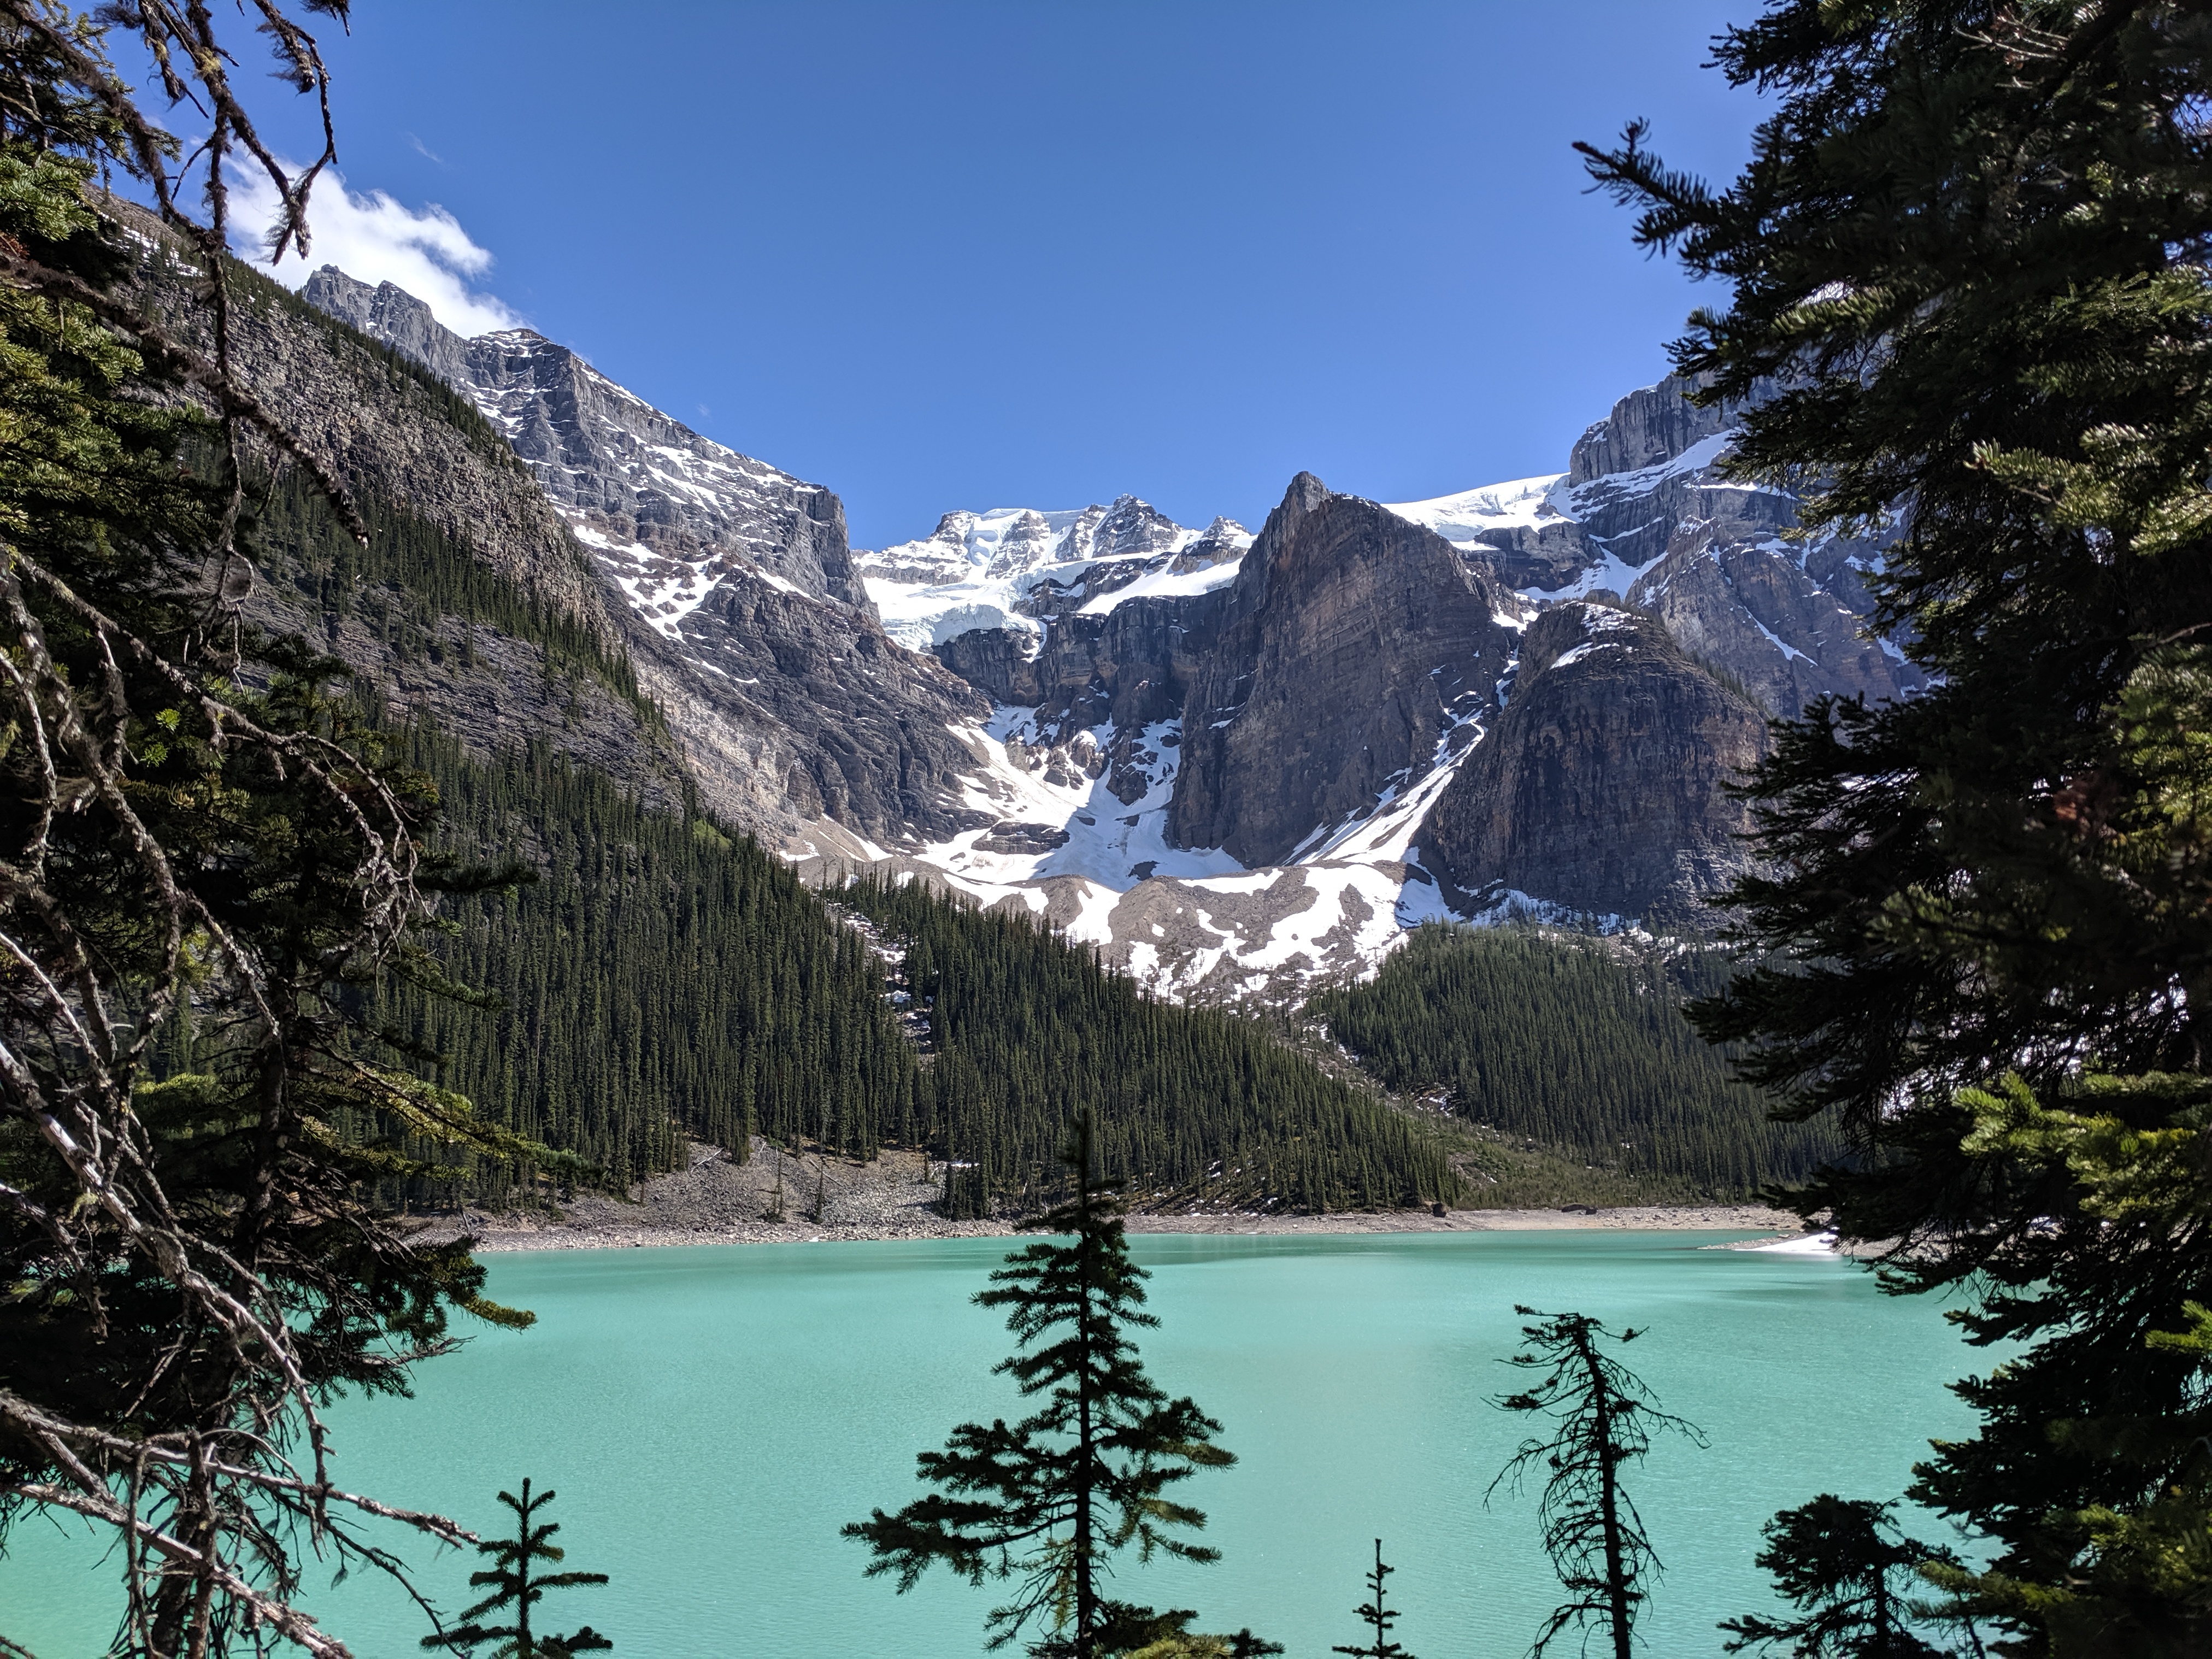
516	1588
1969	318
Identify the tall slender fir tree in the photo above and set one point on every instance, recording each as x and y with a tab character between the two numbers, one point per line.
1376	1612
517	1587
1047	1502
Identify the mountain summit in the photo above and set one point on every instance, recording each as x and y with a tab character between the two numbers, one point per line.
1236	762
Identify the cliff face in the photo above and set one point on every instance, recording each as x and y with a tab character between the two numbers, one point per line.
1602	785
732	584
1644	512
418	459
653	497
1745	607
1235	763
1352	644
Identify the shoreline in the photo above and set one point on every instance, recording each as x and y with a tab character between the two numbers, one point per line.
780	1197
507	1235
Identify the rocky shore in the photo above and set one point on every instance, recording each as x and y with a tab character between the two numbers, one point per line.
776	1198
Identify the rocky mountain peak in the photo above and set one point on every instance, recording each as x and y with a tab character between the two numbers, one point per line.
1646	428
1233	761
1133	529
753	626
389	313
1355	644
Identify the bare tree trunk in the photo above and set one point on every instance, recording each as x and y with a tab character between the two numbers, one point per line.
1616	1566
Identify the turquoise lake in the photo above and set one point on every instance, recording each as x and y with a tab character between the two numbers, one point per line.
710	1417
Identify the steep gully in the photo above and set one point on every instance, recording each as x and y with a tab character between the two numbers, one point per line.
1236	762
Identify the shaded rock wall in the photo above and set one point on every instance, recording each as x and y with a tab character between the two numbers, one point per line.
731	583
1351	642
1602	785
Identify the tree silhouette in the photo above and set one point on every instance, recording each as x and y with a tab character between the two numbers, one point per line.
513	1583
1603	1418
207	847
1048	1500
1980	355
1379	1616
1834	1559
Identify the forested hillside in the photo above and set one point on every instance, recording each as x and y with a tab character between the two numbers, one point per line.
664	977
660	978
1580	1046
1027	1031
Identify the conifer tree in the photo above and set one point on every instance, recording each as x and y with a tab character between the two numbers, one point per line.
194	833
1838	1561
1602	1418
515	1584
1970	266
1049	1501
1379	1618
1029	1033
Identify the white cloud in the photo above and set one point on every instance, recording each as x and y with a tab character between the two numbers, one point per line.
373	239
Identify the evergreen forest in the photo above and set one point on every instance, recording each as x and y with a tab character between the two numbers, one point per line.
661	977
1579	1046
285	949
1029	1033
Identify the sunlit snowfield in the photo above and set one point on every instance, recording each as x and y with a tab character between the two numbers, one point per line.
710	1417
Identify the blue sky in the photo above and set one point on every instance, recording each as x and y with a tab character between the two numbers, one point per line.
981	255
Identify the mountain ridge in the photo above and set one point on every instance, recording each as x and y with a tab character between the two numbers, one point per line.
1236	762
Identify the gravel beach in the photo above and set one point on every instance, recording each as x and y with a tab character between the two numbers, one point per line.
820	1199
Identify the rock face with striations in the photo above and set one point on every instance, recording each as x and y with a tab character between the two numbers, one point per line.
1229	761
748	623
1644	512
1602	785
1351	646
668	508
394	440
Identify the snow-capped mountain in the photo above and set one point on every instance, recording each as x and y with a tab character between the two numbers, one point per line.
1012	566
1659	584
1307	806
1237	762
801	719
1644	514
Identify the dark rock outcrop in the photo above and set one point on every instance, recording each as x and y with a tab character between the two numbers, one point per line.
1745	608
392	436
1127	666
1644	513
1600	786
858	729
1350	643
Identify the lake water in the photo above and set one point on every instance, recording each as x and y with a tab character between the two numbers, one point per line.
710	1417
